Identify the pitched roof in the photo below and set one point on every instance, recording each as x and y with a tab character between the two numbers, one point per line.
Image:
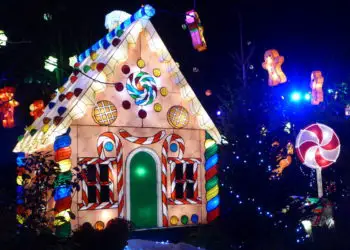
79	91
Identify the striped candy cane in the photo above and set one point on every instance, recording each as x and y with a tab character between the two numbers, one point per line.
101	142
169	139
142	140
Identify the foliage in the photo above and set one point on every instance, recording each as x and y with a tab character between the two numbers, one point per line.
41	172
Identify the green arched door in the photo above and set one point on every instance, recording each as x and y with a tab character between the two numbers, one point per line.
143	190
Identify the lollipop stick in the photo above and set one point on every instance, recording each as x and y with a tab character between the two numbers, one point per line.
319	182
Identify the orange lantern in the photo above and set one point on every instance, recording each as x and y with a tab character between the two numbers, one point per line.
208	92
273	63
36	108
7	106
316	86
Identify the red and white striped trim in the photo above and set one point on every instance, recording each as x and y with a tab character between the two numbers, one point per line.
113	138
165	149
142	140
95	206
85	205
173	161
184	201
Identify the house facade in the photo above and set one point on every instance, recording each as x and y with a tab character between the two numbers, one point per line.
129	120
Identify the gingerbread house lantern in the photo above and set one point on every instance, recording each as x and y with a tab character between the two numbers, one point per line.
129	118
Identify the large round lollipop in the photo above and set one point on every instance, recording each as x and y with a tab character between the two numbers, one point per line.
317	146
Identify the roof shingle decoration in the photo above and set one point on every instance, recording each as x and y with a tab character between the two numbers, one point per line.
91	70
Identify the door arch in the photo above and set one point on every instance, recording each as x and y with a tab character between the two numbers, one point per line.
137	177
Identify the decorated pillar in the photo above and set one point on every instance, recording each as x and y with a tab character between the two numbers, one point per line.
62	185
20	211
211	177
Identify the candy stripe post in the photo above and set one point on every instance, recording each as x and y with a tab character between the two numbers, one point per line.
212	180
103	139
20	211
145	12
165	149
63	188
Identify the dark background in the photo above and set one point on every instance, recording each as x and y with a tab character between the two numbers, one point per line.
311	35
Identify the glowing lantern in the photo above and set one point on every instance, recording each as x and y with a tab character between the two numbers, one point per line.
36	108
105	113
178	116
208	92
62	218
273	63
316	86
50	63
174	220
318	147
7	106
3	39
65	165
347	110
196	30
73	60
99	225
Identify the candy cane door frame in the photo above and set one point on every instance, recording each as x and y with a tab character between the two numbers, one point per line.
158	180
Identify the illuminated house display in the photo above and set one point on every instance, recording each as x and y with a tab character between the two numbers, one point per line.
129	119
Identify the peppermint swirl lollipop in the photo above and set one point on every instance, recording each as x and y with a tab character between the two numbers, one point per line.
317	146
142	88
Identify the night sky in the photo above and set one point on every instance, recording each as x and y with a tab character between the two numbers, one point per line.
311	35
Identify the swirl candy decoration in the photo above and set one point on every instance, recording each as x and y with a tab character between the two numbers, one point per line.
63	188
142	88
317	146
212	180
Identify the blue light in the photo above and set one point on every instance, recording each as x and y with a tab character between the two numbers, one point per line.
296	96
307	96
330	91
173	147
109	146
218	113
